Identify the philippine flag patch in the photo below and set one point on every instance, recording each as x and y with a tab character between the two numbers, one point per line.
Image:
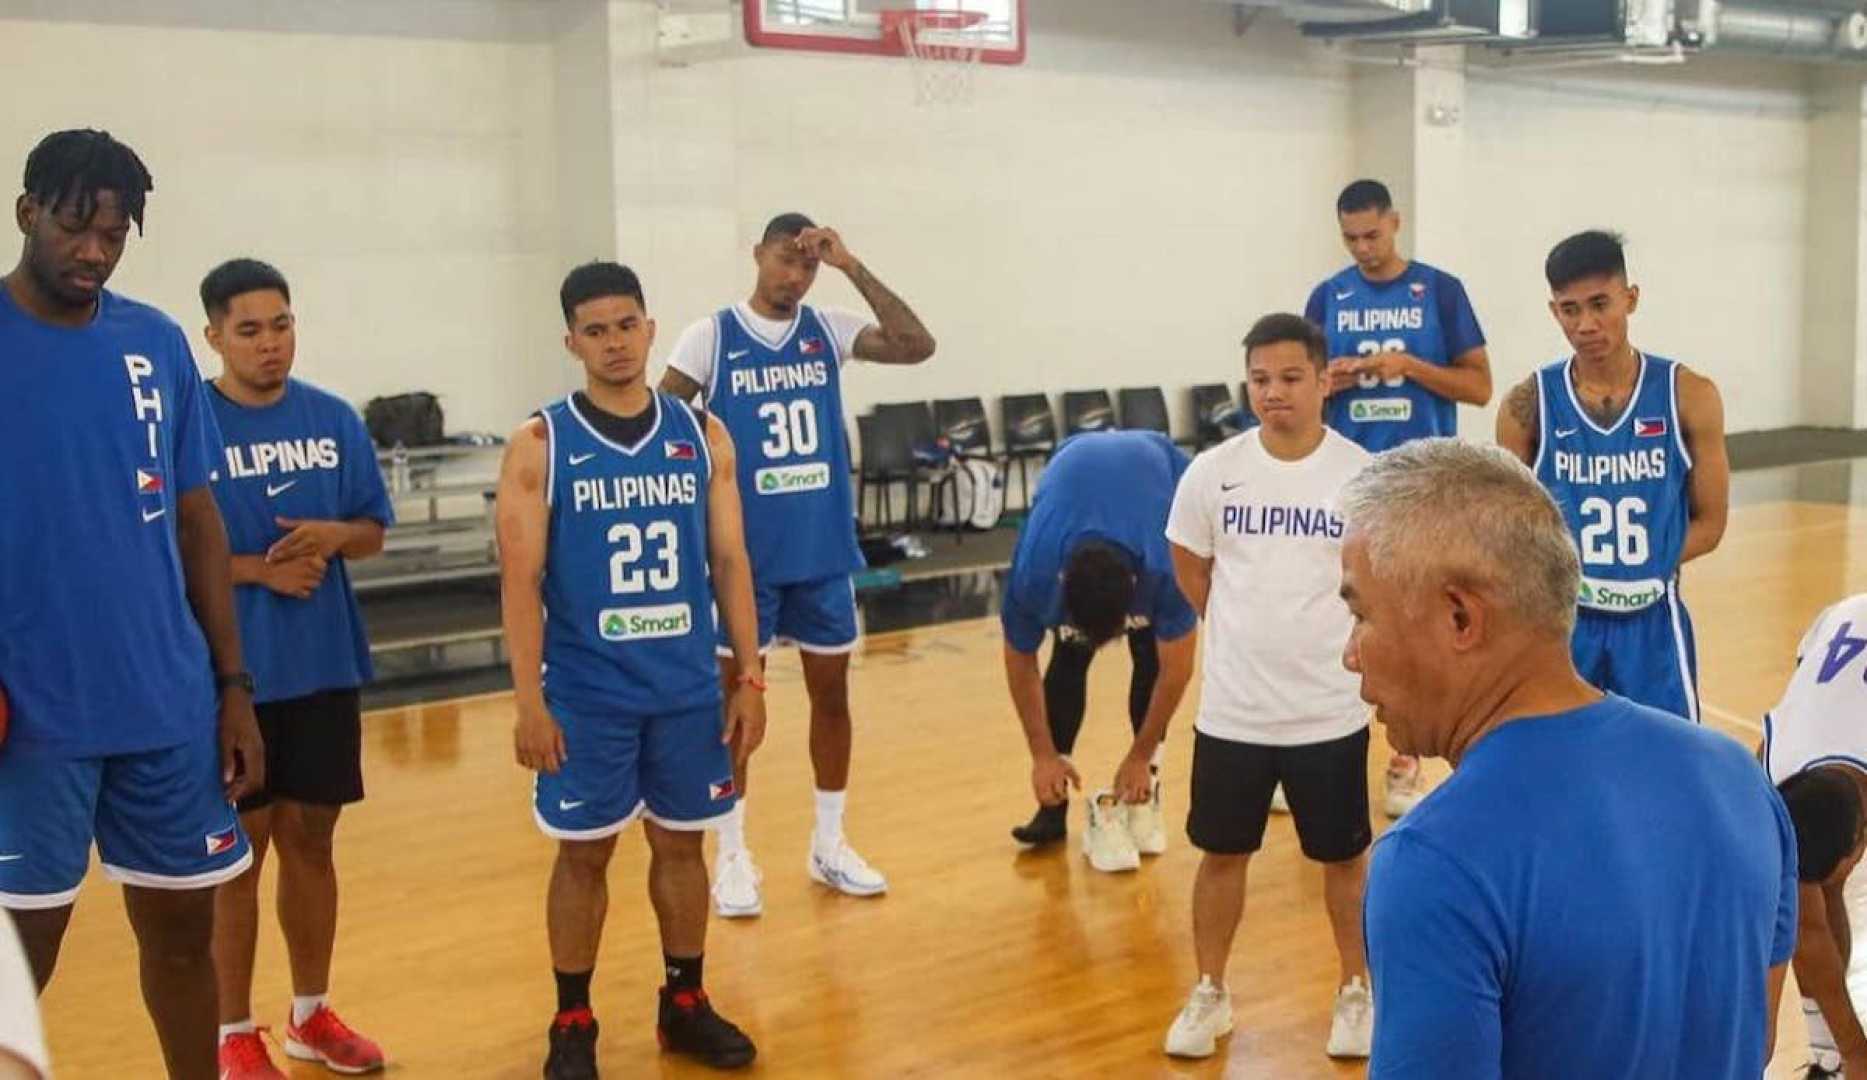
1418	289
148	481
1649	427
222	841
810	346
680	450
723	789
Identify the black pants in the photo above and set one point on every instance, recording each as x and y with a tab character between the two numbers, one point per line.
1066	682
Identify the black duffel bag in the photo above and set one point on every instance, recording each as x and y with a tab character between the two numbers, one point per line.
412	419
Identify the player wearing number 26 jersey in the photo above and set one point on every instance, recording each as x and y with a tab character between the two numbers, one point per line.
1631	446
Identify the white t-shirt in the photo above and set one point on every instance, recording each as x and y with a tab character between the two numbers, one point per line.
698	346
1822	719
20	1034
1275	621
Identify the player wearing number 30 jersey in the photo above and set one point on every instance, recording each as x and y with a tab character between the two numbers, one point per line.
1632	448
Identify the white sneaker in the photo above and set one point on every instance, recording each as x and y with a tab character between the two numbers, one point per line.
1279	804
735	886
1405	788
843	870
1106	842
1206	1018
1351	1032
1147	826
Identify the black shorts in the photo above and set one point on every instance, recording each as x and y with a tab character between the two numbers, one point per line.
1325	783
314	750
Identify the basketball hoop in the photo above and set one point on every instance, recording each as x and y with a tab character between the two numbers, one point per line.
945	48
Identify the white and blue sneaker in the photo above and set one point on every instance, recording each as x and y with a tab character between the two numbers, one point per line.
736	886
1205	1020
845	871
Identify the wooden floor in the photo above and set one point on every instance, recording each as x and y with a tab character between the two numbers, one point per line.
981	962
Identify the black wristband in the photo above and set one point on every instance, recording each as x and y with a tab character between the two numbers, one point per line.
241	679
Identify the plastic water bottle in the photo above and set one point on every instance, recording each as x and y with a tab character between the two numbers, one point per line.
398	469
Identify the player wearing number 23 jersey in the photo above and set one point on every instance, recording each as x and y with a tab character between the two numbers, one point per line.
1631	446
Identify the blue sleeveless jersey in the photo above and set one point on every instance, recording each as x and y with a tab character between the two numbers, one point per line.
1424	312
783	407
627	595
1623	489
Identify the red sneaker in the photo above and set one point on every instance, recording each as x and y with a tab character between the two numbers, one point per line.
327	1040
244	1057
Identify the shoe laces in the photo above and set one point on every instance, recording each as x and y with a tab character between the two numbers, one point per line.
739	864
247	1049
1352	1001
326	1026
1205	1000
844	858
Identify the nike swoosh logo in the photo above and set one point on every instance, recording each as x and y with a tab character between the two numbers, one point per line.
1344	295
11	858
272	491
562	805
1565	433
737	355
579	459
1228	487
149	516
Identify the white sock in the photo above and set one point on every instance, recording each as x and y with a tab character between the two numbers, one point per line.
732	830
238	1027
303	1007
829	818
1821	1040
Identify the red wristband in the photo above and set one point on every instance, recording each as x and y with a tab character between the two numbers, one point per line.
756	682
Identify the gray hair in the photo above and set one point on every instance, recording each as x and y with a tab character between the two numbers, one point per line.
1440	511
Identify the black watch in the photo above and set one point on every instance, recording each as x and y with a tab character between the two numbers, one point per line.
241	679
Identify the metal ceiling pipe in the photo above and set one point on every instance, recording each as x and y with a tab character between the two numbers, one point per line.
1788	33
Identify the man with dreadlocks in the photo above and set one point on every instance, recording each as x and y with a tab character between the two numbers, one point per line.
132	715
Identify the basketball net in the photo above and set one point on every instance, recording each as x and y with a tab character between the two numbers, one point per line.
945	48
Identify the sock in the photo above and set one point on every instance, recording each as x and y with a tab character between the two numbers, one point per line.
573	989
683	973
1821	1040
238	1027
303	1007
733	830
829	818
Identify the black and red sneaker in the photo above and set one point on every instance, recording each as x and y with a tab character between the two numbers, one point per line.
688	1025
573	1046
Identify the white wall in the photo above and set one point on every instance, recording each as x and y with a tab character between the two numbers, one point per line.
403	184
1113	213
1703	167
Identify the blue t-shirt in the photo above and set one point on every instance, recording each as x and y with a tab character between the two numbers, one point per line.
1111	486
1424	312
1597	893
306	456
103	431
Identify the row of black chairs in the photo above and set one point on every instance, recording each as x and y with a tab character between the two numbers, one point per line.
892	434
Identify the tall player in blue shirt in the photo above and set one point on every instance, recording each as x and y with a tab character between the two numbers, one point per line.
771	368
117	625
302	497
1406	350
1632	447
619	528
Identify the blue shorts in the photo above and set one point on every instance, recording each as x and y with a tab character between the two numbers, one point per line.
160	819
1648	656
670	766
817	616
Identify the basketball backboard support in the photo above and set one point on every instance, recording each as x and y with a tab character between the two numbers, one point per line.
857	26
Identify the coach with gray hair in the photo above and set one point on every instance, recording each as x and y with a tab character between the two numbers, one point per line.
1589	893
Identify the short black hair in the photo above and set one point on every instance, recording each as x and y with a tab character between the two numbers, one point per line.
786	226
1825	808
1283	326
80	163
1098	588
1364	195
237	277
595	280
1585	255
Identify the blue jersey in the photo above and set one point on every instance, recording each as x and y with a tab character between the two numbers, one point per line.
1424	312
306	456
627	594
104	431
1622	489
783	407
1115	487
1595	893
